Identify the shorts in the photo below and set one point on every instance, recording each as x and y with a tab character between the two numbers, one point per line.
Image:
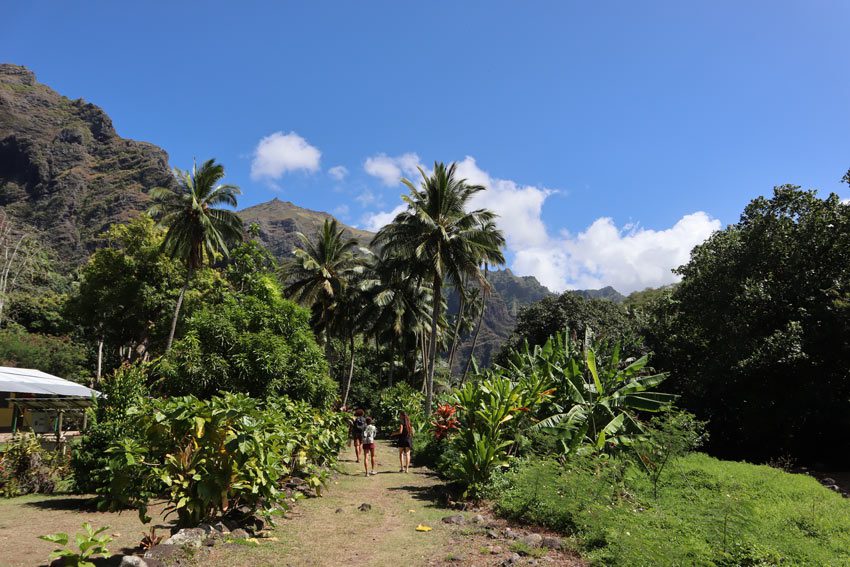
404	443
368	446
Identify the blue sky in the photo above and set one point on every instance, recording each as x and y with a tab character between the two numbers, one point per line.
614	136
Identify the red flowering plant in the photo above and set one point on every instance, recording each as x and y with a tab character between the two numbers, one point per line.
444	422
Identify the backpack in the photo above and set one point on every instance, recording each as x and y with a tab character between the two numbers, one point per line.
359	426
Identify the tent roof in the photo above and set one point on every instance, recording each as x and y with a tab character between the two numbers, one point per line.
27	381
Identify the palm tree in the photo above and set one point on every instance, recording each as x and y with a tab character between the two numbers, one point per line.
438	233
398	304
197	229
320	272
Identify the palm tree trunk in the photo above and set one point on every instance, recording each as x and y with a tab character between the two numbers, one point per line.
432	347
350	371
477	329
392	363
423	346
475	339
456	337
177	308
99	362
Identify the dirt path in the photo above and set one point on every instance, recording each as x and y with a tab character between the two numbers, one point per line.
332	531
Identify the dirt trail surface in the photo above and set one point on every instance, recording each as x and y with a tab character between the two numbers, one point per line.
332	530
327	531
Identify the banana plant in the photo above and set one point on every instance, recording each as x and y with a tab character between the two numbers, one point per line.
597	398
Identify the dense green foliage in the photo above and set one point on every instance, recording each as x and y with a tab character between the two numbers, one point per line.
209	456
126	291
398	398
758	331
539	321
60	356
108	423
556	398
597	397
259	345
708	512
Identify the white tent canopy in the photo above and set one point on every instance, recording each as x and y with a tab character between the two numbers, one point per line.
27	381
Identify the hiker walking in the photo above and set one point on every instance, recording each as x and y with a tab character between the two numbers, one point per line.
369	446
404	442
355	432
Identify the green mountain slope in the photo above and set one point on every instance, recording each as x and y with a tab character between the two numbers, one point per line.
279	221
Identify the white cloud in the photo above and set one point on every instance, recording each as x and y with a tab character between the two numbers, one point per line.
375	221
366	198
628	259
519	206
279	153
390	170
338	172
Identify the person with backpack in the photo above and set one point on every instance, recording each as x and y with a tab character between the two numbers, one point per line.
404	441
355	432
369	445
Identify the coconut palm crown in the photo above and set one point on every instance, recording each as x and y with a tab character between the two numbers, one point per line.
321	270
197	230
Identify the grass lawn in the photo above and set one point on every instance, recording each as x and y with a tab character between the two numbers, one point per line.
708	512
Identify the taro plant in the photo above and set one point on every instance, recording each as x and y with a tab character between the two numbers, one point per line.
90	545
598	397
209	456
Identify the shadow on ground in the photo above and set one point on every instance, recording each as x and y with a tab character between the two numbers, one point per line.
435	496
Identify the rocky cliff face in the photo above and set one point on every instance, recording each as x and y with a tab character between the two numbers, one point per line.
64	169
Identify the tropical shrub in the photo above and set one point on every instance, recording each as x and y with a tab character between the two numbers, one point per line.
90	544
597	398
108	423
668	436
391	401
27	468
494	412
261	345
209	456
444	422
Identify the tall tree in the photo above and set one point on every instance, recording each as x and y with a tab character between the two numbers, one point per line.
198	229
447	241
757	334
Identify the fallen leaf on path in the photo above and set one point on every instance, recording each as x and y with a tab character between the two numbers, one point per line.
423	528
412	511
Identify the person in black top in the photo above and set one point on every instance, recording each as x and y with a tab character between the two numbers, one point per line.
404	441
355	432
